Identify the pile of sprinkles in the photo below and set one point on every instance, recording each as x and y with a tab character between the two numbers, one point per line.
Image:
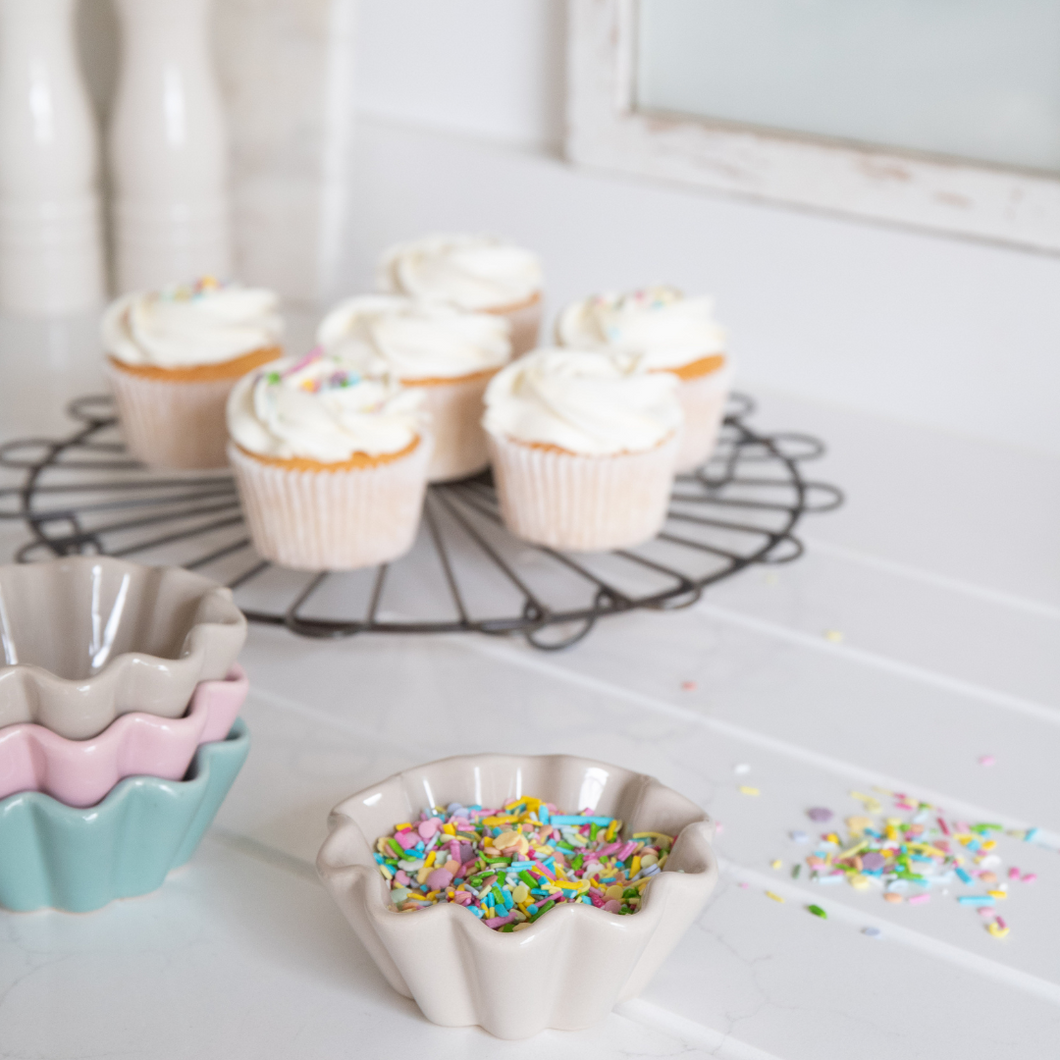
511	865
909	852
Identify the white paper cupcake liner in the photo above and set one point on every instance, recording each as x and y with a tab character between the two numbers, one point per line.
172	424
332	520
456	410
703	401
582	503
526	326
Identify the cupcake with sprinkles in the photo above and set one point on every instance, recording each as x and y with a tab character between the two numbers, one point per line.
671	333
478	274
583	446
173	357
447	353
510	865
331	464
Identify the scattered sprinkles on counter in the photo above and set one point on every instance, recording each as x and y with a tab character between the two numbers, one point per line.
912	849
510	866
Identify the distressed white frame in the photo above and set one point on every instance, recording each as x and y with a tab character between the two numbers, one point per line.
605	130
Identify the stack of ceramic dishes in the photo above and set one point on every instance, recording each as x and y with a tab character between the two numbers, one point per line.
118	730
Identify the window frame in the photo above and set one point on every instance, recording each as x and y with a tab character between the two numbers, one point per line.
605	130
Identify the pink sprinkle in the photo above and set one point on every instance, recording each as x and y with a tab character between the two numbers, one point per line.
985	911
1030	877
498	921
612	906
744	886
402	877
408	838
942	825
1013	873
596	898
962	826
439	879
718	828
626	851
1001	923
919	899
987	760
688	686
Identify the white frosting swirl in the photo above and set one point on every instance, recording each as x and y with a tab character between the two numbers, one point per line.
591	403
415	340
667	329
183	327
470	272
321	408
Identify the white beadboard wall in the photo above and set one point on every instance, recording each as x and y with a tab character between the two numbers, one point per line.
459	125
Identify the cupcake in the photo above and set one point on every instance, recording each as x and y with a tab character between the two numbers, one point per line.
480	274
448	354
173	357
331	465
671	333
583	446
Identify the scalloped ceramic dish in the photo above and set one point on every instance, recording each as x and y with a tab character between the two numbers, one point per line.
81	772
58	857
89	638
573	964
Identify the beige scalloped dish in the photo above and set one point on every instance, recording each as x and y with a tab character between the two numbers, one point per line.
86	639
575	962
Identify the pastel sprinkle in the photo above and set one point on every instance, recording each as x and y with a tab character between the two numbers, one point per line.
997	931
817	911
1030	877
776	863
833	636
872	932
745	790
919	899
987	760
510	865
775	897
688	686
819	813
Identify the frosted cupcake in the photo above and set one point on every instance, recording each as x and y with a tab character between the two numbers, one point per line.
480	274
671	333
331	465
450	355
583	446
173	357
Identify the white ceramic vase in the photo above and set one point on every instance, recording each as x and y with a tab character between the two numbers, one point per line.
168	148
51	259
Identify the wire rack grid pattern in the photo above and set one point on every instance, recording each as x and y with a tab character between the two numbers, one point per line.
82	494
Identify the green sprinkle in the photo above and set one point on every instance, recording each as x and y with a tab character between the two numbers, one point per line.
817	911
795	872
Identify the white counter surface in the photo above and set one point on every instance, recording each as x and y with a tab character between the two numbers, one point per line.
942	575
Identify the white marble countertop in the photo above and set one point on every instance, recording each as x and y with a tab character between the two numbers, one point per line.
942	575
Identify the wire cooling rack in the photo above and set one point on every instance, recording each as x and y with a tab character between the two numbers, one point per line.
82	494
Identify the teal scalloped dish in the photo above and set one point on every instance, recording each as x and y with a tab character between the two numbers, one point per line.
55	856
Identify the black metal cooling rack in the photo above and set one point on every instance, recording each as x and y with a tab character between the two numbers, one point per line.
82	494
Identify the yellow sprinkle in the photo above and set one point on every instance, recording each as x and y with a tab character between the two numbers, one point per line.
776	863
775	897
387	874
449	829
653	835
871	804
853	850
749	791
635	865
614	891
998	894
997	932
430	859
859	883
989	844
834	636
857	825
612	830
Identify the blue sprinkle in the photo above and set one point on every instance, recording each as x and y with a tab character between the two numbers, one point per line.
1031	834
873	933
573	819
975	899
962	875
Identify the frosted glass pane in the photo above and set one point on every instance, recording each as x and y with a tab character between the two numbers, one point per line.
977	79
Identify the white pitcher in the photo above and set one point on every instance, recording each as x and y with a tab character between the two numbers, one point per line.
168	149
51	258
